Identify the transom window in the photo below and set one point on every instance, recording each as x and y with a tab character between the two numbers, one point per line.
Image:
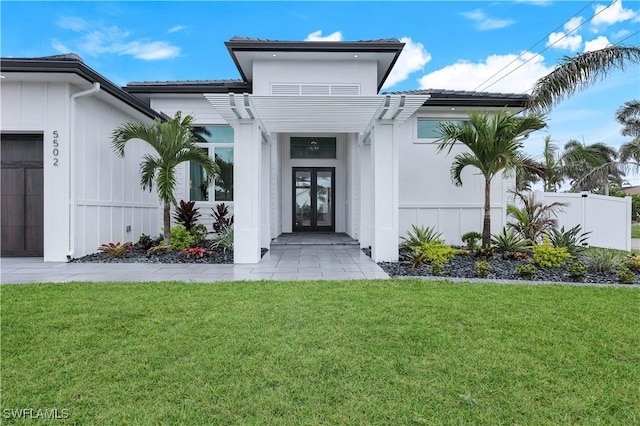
310	147
217	141
430	129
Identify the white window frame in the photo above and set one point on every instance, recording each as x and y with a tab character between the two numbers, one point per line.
211	148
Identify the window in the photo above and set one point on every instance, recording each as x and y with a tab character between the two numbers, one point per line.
307	147
430	129
217	141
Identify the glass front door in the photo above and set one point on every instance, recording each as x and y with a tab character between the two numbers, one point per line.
313	204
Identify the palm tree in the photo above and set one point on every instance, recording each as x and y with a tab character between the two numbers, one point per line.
534	218
592	166
493	146
174	143
629	116
553	165
578	72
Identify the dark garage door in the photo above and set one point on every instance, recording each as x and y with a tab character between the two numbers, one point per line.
22	195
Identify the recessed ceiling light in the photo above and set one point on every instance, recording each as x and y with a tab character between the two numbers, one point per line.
274	55
355	56
453	109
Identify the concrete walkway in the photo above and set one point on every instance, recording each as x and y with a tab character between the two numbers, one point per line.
285	262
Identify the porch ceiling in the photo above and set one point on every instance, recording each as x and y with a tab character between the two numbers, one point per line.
317	114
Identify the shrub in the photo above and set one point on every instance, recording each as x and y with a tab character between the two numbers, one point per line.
577	270
145	242
180	237
633	262
483	268
160	248
195	252
509	241
534	218
626	275
471	239
224	239
419	236
199	232
221	221
114	250
437	268
187	214
603	260
548	256
572	239
526	270
430	252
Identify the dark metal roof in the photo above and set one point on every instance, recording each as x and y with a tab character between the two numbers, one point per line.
188	86
441	97
73	64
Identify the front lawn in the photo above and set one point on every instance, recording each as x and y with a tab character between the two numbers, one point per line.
341	352
635	230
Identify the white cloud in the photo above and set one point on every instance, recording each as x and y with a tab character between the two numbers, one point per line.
413	58
59	47
73	23
536	2
614	13
596	44
563	41
317	36
620	34
483	22
98	38
176	28
573	24
464	75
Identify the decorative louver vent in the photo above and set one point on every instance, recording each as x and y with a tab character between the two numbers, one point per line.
315	89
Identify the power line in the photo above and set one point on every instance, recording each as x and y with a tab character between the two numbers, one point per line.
551	45
534	45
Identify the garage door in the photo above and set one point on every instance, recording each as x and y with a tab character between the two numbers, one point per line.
22	195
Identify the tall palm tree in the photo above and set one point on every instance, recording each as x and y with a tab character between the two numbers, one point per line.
578	73
553	165
629	116
174	143
590	166
493	146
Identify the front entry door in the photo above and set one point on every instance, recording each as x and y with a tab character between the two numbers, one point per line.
22	195
313	199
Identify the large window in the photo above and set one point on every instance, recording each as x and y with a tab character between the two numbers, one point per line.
429	129
217	141
308	147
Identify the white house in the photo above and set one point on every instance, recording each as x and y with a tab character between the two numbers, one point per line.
307	140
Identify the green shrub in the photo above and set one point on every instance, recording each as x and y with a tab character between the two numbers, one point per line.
145	242
115	250
548	256
571	239
509	241
437	268
181	238
418	236
626	275
471	239
577	270
160	248
603	260
199	232
633	262
223	239
435	251
526	270
483	268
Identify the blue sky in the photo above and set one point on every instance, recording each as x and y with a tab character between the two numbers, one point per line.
449	44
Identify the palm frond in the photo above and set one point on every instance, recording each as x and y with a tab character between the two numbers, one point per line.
629	116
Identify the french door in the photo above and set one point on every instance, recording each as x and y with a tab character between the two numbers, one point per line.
313	199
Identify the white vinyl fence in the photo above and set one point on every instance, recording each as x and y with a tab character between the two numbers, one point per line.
608	218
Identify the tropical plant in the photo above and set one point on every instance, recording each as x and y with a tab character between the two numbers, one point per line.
471	239
173	143
572	239
159	249
115	250
483	268
419	235
181	238
493	146
629	116
430	252
534	218
633	262
187	214
578	73
548	256
437	268
223	239
602	259
591	167
509	241
220	217
145	242
626	275
195	252
526	270
199	232
577	270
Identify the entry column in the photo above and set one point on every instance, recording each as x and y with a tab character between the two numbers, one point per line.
246	193
384	153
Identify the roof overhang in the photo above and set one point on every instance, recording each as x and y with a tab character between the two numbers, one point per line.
245	51
316	114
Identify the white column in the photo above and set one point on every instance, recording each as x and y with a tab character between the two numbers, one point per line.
246	191
265	196
366	196
385	162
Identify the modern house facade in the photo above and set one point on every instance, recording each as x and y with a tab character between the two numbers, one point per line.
305	140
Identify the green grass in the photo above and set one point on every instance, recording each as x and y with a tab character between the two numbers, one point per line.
635	230
358	352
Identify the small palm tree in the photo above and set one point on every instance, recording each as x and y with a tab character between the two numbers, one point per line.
578	73
174	143
492	147
534	218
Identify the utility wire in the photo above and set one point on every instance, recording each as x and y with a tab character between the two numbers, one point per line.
532	46
551	45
